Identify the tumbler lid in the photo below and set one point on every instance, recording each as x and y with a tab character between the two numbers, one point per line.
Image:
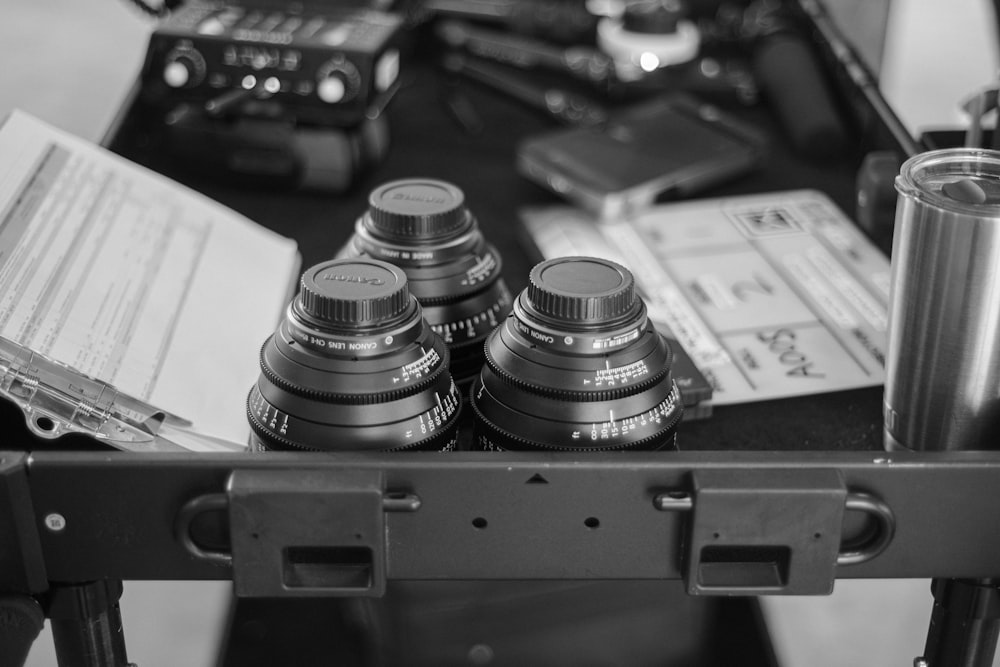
966	180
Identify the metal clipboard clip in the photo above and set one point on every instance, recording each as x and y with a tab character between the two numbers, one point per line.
57	400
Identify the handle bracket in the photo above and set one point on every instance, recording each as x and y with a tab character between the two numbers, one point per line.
771	532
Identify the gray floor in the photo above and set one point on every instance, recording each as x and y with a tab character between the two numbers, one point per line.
70	63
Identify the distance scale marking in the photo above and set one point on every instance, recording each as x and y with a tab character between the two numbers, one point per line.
267	415
579	342
481	271
428	361
474	326
436	418
615	428
619	375
615	433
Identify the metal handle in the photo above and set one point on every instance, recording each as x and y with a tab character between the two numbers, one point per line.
882	513
212	502
682	501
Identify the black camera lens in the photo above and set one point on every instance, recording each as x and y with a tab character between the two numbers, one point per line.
577	366
354	366
424	227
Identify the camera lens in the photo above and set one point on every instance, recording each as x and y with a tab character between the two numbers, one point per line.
354	366
424	227
577	366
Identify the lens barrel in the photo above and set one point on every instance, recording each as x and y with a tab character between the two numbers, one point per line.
424	227
577	366
354	366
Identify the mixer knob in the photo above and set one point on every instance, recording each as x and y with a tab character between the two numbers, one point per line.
338	80
184	67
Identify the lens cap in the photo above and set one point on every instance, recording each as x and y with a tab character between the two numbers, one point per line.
581	290
422	208
358	292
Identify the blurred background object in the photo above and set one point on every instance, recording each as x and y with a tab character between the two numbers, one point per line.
71	64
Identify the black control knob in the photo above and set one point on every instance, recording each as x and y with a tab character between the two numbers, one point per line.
653	17
581	290
417	208
184	67
650	35
338	81
359	293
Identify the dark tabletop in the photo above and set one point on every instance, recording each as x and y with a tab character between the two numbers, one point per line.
428	141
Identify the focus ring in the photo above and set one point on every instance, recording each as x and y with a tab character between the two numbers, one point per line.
276	441
416	208
382	396
531	445
571	394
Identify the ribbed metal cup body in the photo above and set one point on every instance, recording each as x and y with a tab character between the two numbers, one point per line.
942	389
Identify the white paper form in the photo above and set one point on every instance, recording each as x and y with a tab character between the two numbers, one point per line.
771	295
134	279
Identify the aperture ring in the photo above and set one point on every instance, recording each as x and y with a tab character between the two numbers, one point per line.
352	398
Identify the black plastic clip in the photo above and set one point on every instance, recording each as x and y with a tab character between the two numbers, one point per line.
301	533
771	532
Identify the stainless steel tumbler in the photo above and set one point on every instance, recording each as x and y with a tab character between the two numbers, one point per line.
942	387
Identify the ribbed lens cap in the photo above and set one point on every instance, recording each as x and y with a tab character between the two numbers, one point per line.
354	292
421	208
584	290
